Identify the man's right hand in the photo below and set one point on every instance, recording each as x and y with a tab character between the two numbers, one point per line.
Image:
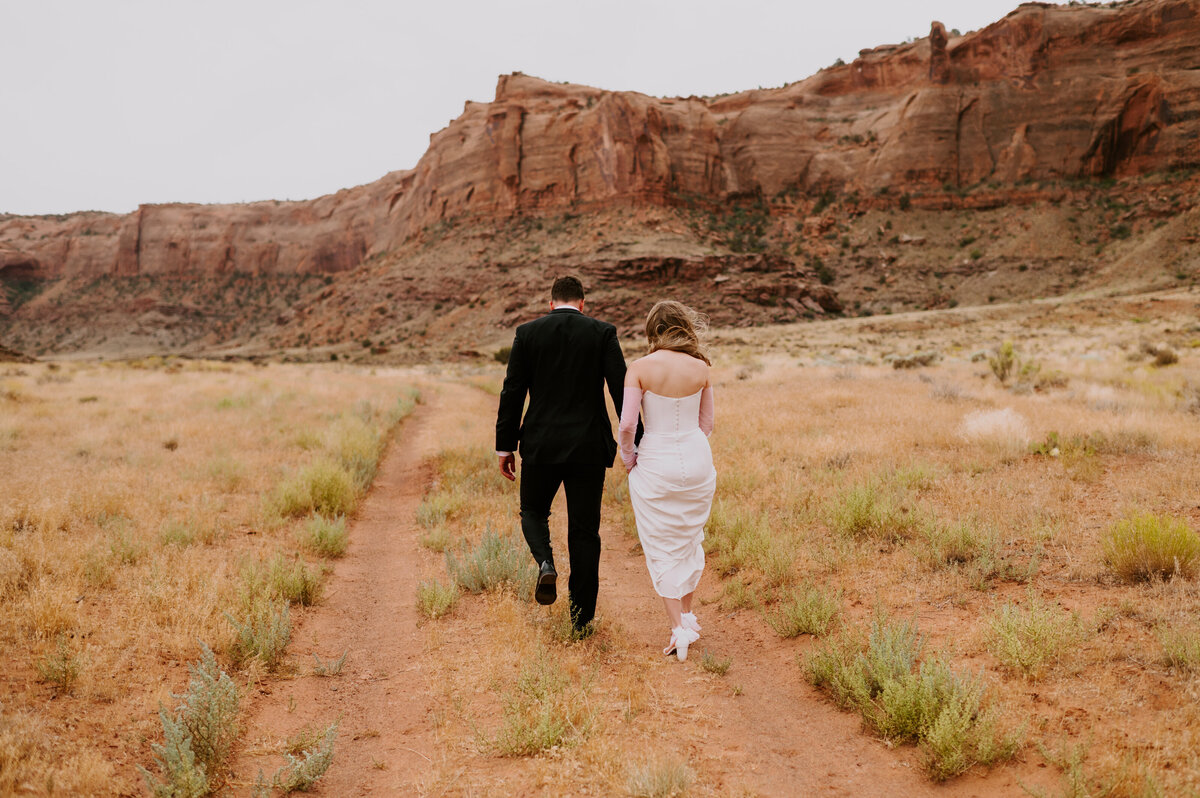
508	466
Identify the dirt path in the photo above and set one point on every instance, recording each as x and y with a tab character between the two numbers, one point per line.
761	726
381	698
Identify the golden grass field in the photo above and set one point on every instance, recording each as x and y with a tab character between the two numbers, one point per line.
145	507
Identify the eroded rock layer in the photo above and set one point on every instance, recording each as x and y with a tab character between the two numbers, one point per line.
1049	93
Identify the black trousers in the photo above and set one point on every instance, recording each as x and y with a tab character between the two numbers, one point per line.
584	487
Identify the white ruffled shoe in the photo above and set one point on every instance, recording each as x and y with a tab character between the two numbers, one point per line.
690	622
681	638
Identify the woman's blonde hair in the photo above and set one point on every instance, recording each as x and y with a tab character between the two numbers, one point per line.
673	325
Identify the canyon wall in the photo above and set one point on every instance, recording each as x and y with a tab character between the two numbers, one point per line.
1047	93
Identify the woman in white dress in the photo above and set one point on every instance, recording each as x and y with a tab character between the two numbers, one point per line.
671	474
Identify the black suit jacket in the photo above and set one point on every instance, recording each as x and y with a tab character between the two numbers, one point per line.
563	361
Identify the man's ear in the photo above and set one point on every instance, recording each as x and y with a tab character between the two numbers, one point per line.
581	304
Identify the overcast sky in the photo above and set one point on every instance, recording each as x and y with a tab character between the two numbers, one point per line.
105	104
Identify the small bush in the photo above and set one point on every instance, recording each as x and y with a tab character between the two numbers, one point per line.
435	599
714	664
497	561
332	667
501	355
944	712
263	634
1029	640
669	777
808	610
1148	546
357	446
326	537
301	773
198	737
60	667
1002	362
280	578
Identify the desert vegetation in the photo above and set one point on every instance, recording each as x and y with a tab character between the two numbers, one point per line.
966	557
163	523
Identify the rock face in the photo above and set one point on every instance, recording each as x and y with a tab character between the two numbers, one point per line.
1047	93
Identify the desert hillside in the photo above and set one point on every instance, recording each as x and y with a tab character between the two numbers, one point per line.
1051	152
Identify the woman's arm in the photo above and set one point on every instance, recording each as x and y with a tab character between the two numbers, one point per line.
626	430
707	409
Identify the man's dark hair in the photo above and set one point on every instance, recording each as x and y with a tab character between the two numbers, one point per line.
566	289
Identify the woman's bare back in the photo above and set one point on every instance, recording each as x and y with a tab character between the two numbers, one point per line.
668	373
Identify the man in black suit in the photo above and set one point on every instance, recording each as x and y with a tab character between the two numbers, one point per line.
562	360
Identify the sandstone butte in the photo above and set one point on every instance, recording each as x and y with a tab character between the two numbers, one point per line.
1046	93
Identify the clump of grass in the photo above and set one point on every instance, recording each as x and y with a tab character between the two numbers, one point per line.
498	561
807	610
263	634
1002	361
436	509
435	599
1149	546
331	667
865	510
198	737
282	578
1029	640
302	772
669	777
1181	647
744	544
60	667
436	539
714	664
184	533
543	710
356	445
907	700
323	536
323	487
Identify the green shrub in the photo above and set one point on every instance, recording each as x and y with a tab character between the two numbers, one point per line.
60	667
501	355
928	703
497	561
198	737
436	539
1148	546
714	664
301	773
326	537
807	610
435	599
263	634
1002	362
1029	640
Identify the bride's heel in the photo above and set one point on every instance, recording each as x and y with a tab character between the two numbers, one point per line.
681	638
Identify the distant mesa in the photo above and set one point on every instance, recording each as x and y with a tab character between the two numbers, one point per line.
1048	93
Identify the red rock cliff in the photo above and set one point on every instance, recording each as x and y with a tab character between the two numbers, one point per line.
1048	92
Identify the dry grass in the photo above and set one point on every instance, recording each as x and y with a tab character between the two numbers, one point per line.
131	527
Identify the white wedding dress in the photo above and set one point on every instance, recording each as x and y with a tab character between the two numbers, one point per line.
671	487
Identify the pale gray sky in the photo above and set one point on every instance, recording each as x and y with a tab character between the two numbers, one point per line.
105	104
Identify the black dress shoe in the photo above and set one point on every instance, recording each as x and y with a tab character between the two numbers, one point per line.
546	592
